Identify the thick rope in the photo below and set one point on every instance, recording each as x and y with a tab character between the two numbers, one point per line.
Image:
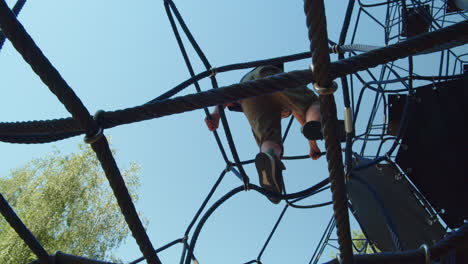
316	23
83	122
339	69
124	200
317	29
168	245
31	53
16	10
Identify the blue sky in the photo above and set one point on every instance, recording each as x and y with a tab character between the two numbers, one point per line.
117	54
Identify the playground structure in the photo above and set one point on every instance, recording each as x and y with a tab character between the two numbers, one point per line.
419	28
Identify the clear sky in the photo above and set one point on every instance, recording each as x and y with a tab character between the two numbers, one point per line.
118	54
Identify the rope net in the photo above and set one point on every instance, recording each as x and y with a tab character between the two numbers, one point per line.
442	31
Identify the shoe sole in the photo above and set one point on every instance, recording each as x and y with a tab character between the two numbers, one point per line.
266	168
312	130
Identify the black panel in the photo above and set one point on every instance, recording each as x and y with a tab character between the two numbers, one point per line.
435	158
415	23
382	197
396	103
452	7
456	256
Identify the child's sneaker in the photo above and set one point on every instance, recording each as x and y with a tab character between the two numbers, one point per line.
270	173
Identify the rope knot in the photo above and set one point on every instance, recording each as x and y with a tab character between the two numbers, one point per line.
90	139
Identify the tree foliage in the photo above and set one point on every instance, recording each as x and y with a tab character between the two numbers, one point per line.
360	243
66	201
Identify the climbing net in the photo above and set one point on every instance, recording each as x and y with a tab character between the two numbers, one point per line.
443	36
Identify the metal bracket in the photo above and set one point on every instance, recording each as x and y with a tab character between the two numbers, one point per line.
326	90
336	49
427	257
348	120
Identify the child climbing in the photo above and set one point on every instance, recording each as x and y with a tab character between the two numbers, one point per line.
264	114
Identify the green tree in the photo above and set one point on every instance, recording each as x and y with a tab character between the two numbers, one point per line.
66	201
360	243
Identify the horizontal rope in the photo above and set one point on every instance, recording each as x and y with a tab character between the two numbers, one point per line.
39	63
155	108
50	76
169	106
240	91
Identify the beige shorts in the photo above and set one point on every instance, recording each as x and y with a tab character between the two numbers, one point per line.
264	112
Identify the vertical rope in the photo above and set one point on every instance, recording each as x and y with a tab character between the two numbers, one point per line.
49	75
317	29
124	200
